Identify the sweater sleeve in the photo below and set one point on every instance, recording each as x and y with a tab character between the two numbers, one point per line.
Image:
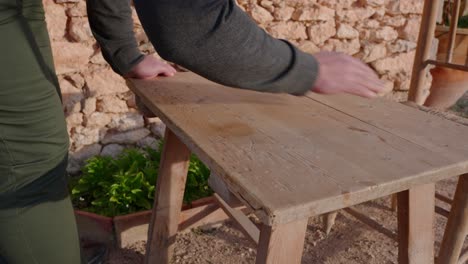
219	41
112	26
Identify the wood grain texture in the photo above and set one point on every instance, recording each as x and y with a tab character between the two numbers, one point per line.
424	50
291	157
281	244
457	225
415	225
170	188
246	226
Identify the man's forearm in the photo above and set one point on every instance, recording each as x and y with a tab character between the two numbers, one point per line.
112	26
217	40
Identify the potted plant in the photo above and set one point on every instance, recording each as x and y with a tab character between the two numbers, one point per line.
449	85
114	196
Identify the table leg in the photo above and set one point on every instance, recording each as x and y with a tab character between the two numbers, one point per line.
457	225
282	243
170	188
329	221
415	225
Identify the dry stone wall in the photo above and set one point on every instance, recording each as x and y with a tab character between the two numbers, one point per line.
101	112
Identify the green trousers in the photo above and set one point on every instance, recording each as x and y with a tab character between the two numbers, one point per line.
37	224
42	234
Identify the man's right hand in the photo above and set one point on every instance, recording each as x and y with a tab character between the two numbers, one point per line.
340	73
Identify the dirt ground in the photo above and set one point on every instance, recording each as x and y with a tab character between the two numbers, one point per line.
364	235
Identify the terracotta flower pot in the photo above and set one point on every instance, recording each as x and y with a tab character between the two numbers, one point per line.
127	229
447	87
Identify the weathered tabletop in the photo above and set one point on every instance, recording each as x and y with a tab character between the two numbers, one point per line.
292	157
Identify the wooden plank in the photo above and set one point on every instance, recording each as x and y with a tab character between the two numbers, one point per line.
427	130
453	66
131	229
170	188
457	225
423	50
220	188
443	198
415	225
447	115
453	30
246	226
329	221
282	244
291	157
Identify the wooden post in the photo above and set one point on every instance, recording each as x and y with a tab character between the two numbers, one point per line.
457	225
415	225
423	51
282	244
168	201
453	30
329	221
394	202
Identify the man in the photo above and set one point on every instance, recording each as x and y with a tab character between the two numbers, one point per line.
217	40
211	37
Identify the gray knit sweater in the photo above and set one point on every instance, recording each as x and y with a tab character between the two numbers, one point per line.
213	38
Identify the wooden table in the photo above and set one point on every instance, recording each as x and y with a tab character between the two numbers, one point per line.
289	158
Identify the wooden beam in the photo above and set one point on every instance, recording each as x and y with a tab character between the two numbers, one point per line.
247	227
282	244
168	201
443	198
415	225
423	51
453	30
329	221
457	225
453	66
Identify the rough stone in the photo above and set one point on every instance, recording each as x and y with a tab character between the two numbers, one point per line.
71	96
76	79
128	137
112	150
56	20
71	57
309	47
346	31
83	136
105	82
289	30
260	15
385	34
374	52
283	14
148	142
355	15
319	33
316	13
401	46
111	104
411	6
350	47
78	10
97	119
80	30
77	159
402	63
411	30
74	120
89	105
158	128
126	121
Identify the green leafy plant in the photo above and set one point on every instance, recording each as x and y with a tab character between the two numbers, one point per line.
126	184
